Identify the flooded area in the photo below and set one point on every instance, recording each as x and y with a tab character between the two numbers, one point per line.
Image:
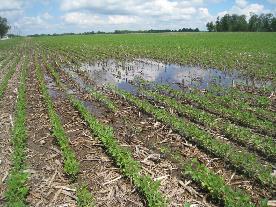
178	76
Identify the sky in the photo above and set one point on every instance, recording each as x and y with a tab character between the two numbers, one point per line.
60	16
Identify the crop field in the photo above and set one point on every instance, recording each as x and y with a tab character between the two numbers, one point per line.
138	120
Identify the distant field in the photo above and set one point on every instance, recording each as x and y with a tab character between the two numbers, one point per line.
251	53
115	120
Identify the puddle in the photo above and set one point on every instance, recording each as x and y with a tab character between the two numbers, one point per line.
122	73
51	86
54	93
93	109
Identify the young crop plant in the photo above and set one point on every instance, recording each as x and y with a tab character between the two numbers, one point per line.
8	76
17	190
216	185
265	145
7	60
100	97
227	100
250	99
84	197
245	118
97	95
71	164
240	159
122	156
209	180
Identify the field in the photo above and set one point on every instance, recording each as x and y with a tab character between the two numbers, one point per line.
138	120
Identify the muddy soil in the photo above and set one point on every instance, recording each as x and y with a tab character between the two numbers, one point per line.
155	135
48	184
106	182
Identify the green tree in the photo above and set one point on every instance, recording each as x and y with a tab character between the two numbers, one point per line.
218	25
4	27
273	24
225	23
253	23
210	26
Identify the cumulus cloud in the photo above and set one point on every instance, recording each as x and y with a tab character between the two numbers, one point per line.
243	7
11	5
143	13
108	15
90	20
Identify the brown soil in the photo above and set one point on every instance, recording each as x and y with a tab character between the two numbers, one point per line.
48	184
7	113
107	184
154	135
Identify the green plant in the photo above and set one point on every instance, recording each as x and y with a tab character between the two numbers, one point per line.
84	197
241	159
265	145
16	189
71	165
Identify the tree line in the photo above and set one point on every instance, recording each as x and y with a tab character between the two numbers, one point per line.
4	27
121	32
239	23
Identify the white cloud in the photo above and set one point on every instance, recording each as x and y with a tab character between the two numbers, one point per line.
82	19
118	19
272	1
143	14
47	16
90	20
108	15
11	5
243	7
241	3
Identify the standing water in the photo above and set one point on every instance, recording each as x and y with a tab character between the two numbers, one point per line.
122	73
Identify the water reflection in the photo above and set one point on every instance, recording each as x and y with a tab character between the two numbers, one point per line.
121	73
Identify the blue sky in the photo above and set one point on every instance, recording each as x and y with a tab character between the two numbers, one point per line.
58	16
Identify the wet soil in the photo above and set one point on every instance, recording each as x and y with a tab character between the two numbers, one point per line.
156	138
48	184
106	182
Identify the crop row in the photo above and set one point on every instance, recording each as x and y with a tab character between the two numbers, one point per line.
122	156
16	189
96	94
240	159
265	145
216	185
71	165
7	59
11	70
240	117
211	182
227	100
206	50
251	99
